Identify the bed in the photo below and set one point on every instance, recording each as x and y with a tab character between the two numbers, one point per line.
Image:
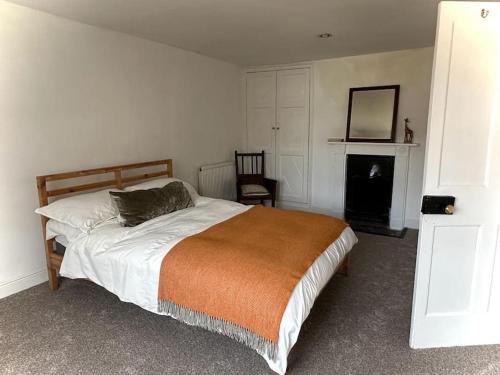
130	261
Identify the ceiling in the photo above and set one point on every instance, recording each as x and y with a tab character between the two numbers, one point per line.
261	32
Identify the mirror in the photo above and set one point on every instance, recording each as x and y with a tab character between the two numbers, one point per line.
372	114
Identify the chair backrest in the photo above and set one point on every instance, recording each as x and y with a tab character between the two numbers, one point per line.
250	167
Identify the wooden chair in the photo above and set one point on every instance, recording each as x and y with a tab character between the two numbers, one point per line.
251	184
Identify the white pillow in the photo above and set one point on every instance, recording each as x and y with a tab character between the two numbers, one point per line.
56	228
83	211
161	182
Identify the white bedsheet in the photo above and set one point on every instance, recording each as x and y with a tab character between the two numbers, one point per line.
126	261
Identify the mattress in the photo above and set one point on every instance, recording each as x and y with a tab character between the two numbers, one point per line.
126	261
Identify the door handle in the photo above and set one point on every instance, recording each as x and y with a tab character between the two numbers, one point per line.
438	205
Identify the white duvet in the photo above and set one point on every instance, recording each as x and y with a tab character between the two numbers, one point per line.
126	261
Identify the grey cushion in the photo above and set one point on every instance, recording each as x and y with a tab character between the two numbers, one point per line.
139	206
253	189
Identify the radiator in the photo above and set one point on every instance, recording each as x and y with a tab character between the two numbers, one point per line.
218	180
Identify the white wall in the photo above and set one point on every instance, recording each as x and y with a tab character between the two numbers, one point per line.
74	96
332	79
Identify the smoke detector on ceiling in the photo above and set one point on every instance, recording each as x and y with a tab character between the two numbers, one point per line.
325	35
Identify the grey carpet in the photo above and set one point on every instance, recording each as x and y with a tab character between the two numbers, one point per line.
359	325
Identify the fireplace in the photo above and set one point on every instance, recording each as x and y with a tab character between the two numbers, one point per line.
399	152
368	187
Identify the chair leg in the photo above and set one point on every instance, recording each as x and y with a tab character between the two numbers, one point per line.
273	202
262	202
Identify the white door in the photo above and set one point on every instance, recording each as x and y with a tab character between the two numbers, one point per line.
292	134
457	283
261	116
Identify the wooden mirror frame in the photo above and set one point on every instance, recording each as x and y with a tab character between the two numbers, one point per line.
394	114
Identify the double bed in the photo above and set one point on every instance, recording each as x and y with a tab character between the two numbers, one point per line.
130	261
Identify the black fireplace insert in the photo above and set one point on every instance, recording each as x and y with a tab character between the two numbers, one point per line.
369	180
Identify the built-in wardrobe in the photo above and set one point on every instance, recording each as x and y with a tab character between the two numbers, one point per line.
278	121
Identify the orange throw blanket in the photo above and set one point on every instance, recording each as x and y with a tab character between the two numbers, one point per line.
236	277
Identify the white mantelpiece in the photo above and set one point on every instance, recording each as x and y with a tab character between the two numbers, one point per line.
373	143
401	153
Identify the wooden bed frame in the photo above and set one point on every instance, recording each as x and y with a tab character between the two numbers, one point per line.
118	181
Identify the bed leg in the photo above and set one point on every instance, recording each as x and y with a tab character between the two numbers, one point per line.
344	267
53	280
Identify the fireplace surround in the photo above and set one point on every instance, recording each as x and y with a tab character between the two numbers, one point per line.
401	154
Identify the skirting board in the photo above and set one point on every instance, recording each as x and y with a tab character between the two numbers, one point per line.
293	205
15	286
412	223
320	210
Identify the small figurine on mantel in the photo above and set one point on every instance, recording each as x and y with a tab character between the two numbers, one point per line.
408	132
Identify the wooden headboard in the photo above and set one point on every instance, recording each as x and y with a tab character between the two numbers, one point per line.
117	181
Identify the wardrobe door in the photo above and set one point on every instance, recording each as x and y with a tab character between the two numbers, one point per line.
261	116
292	134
